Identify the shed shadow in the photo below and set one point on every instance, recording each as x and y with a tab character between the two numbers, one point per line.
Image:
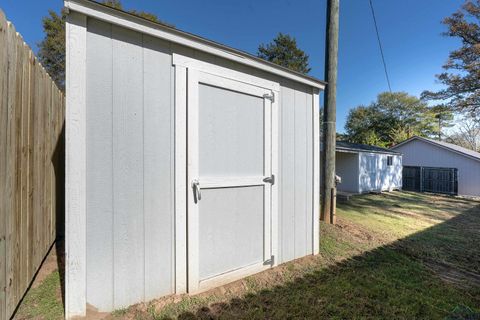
431	274
58	160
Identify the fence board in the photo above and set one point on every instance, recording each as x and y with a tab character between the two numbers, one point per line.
31	123
10	164
3	153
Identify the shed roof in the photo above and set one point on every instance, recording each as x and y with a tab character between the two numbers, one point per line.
125	19
358	147
445	145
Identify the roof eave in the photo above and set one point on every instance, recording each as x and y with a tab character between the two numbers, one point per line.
368	151
435	144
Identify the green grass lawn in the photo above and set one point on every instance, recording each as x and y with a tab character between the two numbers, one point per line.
397	255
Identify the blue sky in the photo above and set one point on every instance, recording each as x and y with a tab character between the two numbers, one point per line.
410	30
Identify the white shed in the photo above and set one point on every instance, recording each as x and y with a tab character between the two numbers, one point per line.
437	166
365	168
189	164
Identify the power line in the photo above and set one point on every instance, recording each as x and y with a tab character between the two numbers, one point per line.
380	45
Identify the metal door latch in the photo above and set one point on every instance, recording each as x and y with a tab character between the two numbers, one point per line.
270	179
196	189
270	261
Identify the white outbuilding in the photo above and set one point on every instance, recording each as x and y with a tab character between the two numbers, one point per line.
189	164
440	167
365	168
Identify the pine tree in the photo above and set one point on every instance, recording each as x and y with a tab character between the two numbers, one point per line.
462	70
283	51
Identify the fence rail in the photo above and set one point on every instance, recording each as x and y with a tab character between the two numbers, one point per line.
31	165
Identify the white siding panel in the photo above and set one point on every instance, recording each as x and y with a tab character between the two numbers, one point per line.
309	173
376	175
128	166
296	173
300	170
287	179
420	153
158	151
392	175
368	170
99	167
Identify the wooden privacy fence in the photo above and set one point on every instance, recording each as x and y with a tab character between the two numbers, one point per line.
31	165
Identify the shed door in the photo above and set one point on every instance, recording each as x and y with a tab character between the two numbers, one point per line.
229	175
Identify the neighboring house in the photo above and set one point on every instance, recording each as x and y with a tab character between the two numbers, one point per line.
160	123
365	168
438	166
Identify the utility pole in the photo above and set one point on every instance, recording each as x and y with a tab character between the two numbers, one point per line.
328	191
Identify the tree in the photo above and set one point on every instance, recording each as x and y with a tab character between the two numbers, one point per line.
363	126
52	48
467	134
462	69
51	51
392	118
283	51
444	117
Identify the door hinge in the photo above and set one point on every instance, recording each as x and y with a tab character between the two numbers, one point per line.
270	179
270	97
270	261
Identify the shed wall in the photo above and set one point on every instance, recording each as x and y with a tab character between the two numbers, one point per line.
376	175
346	166
295	172
130	165
420	153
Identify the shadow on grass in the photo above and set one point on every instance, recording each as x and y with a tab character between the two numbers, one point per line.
431	274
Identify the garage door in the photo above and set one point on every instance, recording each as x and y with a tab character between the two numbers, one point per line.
430	179
411	178
440	180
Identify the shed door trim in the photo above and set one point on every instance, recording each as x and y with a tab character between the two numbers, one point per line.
182	186
184	61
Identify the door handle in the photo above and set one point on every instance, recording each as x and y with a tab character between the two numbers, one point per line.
196	189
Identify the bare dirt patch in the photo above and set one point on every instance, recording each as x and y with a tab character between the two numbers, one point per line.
354	230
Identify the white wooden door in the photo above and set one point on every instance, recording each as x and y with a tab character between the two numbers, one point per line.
230	180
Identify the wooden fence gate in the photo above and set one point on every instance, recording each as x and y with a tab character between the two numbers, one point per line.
31	165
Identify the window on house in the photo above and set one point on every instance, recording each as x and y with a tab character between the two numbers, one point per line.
389	160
